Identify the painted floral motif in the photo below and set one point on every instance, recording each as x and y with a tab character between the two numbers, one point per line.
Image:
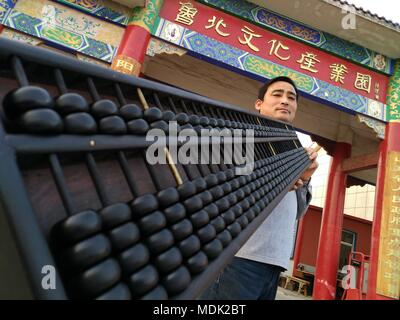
211	48
270	70
146	17
380	62
58	35
105	9
393	95
341	97
57	17
5	7
375	109
276	22
157	46
347	49
19	36
173	33
88	4
50	31
377	126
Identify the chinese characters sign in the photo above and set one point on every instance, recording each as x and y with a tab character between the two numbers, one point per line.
388	282
276	48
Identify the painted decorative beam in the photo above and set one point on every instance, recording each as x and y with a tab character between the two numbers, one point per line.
378	126
258	68
362	162
296	30
103	9
131	3
393	96
5	8
51	22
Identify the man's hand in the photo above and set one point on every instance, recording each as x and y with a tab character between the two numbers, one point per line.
312	154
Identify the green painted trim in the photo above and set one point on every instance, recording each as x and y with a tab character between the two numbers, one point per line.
5	8
146	17
393	95
258	66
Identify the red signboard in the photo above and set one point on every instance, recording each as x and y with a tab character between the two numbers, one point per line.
276	48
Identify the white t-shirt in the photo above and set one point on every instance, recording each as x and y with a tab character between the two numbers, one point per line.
273	240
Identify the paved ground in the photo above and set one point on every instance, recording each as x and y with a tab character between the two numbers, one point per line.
284	294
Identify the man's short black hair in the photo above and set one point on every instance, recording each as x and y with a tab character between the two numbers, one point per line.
264	88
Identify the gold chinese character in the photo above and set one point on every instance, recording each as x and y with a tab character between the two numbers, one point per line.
125	65
395	220
395	210
377	91
391	276
393	265
186	13
397	178
396	189
395	198
396	168
217	26
275	49
395	232
363	82
392	252
338	72
394	242
248	35
308	61
393	289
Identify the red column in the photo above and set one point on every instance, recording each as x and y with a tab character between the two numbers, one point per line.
331	227
132	49
299	242
391	143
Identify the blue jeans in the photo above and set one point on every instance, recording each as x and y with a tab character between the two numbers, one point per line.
245	279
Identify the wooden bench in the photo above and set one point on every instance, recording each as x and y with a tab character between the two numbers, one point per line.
303	284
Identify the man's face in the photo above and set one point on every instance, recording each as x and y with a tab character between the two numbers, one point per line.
279	102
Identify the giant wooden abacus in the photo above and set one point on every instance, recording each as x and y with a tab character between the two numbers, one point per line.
78	193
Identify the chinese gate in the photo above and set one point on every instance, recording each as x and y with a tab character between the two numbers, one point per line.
224	49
